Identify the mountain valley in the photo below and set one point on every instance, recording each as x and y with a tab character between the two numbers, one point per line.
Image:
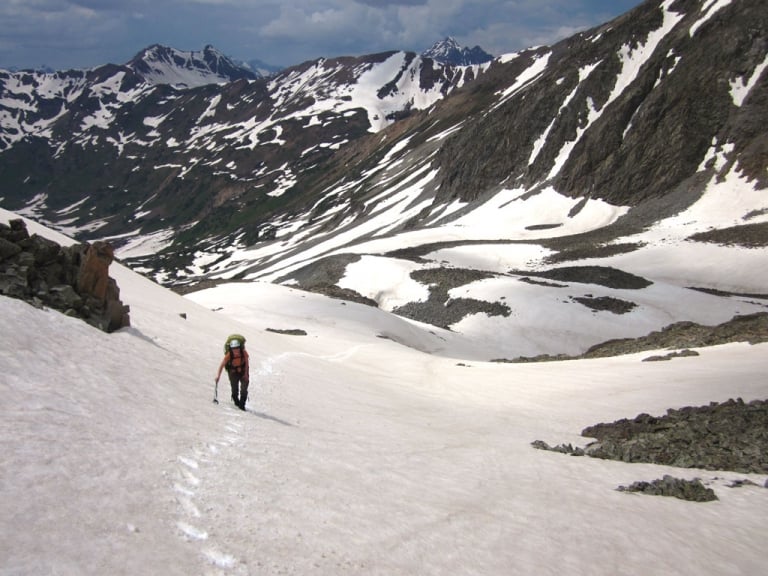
638	141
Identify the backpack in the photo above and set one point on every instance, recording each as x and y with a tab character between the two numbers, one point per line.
237	354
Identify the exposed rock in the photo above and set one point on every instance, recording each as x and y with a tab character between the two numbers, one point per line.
557	118
64	297
528	359
93	276
716	292
729	436
691	490
682	354
74	279
8	249
324	272
560	448
440	309
742	482
322	278
288	331
586	251
600	275
606	304
748	235
752	328
542	283
444	313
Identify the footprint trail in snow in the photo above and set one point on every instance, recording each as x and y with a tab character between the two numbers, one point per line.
198	471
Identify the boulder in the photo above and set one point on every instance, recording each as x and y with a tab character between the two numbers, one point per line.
690	490
73	279
93	277
8	249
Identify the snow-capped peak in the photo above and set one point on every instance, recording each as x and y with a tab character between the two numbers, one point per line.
449	51
163	65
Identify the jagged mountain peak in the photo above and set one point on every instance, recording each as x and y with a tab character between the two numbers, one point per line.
159	64
449	51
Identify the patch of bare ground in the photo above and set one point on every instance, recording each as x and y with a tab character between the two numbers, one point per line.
746	235
606	304
600	275
719	436
440	309
752	328
586	252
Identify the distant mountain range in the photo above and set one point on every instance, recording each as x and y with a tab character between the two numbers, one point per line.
162	65
202	170
186	69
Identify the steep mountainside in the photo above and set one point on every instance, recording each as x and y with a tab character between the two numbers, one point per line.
628	111
118	150
643	134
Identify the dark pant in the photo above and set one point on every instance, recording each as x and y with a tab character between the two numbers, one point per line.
237	380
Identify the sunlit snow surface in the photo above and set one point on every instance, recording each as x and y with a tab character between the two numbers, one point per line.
360	454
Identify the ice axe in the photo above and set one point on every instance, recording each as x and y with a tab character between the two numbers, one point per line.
216	392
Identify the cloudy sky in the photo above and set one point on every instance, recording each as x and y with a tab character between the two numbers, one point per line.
83	33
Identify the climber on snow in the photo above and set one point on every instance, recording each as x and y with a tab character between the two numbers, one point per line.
236	362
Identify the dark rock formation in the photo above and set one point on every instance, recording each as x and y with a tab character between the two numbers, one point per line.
607	304
752	328
747	235
288	331
728	436
691	490
732	436
682	354
440	309
600	275
73	279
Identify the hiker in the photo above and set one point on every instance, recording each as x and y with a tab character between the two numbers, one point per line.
236	362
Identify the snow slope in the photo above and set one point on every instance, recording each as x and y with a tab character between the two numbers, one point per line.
543	319
358	455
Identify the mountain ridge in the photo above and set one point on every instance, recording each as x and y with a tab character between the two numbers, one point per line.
159	64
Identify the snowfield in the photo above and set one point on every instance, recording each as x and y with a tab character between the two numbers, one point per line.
360	452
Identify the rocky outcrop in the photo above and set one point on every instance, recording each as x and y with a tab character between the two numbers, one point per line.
752	328
727	436
628	147
691	490
440	309
600	275
73	279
